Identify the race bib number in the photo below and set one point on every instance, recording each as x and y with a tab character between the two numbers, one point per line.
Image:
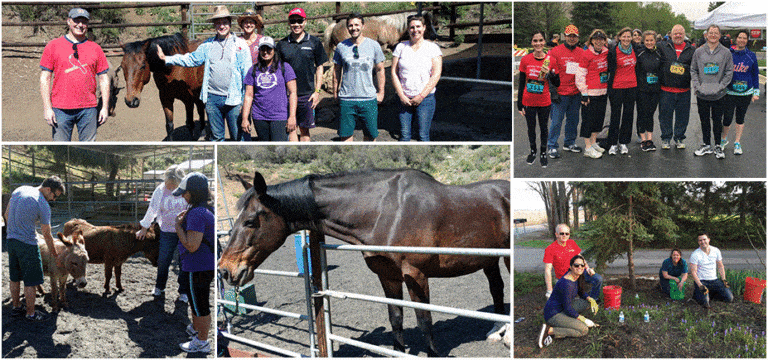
740	86
651	78
535	86
603	77
677	68
711	68
571	68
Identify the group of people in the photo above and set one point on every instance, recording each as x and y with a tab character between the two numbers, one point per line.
253	80
635	71
180	205
568	300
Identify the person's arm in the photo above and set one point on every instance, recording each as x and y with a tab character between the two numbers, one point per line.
315	97
434	77
104	87
245	122
694	74
522	79
695	277
721	269
46	230
336	80
548	277
191	240
755	75
152	210
381	78
728	75
292	104
396	82
45	93
193	59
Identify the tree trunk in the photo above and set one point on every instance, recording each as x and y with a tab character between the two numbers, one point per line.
574	201
630	252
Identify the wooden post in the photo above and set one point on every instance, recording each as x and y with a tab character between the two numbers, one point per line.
452	30
338	9
184	9
315	237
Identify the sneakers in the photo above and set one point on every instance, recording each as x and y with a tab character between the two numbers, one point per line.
703	150
19	311
543	159
36	316
553	153
184	298
613	150
649	146
723	142
191	331
598	148
665	144
592	153
572	148
679	144
544	338
196	345
719	152
531	157
737	149
623	149
157	292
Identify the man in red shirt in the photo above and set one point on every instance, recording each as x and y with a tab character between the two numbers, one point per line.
71	64
565	63
558	256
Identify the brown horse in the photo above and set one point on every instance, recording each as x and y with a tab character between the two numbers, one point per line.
379	207
112	245
387	30
173	82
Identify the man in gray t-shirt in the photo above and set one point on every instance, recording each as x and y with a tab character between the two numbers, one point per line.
358	98
29	205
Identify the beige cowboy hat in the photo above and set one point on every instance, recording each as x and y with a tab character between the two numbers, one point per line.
220	12
250	14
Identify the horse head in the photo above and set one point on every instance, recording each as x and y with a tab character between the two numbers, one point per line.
75	257
151	246
258	232
135	70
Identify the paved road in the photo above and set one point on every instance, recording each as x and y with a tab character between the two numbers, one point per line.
659	164
647	262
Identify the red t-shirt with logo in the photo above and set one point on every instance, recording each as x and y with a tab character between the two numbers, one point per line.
596	66
566	63
536	91
625	76
74	79
560	256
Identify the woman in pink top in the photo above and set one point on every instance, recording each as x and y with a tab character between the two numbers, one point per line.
163	208
252	25
416	68
592	81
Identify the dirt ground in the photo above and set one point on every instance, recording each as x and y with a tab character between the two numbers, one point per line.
363	321
130	324
634	339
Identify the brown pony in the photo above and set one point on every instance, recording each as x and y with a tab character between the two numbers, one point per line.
173	82
379	207
112	245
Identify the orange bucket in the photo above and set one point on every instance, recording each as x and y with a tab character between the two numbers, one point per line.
612	296
753	289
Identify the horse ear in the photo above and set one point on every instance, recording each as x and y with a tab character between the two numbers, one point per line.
259	185
65	240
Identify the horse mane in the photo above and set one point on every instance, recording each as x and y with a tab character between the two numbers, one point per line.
369	172
171	44
292	200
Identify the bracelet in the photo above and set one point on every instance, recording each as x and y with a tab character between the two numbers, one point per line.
318	91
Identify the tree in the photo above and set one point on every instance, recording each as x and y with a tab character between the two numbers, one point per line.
588	16
556	196
628	214
549	17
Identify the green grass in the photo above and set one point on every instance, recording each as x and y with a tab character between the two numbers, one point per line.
539	244
527	282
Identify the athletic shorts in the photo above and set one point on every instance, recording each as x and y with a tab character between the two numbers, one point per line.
305	114
367	111
24	263
200	288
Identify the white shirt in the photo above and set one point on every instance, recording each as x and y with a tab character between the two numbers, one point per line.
415	67
165	207
706	265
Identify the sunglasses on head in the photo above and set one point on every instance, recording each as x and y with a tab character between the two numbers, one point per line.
355	52
74	47
577	265
295	21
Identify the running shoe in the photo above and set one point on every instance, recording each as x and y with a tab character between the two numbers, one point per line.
623	149
572	148
157	292
543	159
613	150
679	144
598	148
592	153
665	144
544	338
643	145
191	331
719	152
19	311
737	149
196	345
553	153
703	150
184	298
36	316
723	142
650	146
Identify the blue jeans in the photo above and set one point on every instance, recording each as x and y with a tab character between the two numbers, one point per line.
717	290
168	245
568	108
679	105
86	121
424	113
217	112
597	285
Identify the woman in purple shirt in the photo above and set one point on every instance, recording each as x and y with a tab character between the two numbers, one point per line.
196	229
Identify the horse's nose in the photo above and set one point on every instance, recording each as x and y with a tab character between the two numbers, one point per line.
133	103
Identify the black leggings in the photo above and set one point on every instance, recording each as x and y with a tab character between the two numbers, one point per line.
530	118
271	130
200	288
647	102
711	117
737	103
622	115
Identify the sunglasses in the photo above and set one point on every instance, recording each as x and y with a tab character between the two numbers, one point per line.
564	234
295	21
74	47
355	52
577	265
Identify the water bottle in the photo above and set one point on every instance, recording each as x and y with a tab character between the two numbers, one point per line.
646	317
637	296
621	317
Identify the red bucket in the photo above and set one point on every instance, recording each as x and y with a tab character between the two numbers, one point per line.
753	289
612	296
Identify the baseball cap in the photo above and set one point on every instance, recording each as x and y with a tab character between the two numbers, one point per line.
79	12
267	41
298	11
194	181
571	30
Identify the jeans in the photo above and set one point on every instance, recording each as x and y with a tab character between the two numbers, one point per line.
568	108
647	102
86	121
217	112
424	113
679	105
711	110
566	326
717	290
531	112
168	246
622	115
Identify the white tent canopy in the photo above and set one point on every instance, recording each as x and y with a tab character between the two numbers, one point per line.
734	15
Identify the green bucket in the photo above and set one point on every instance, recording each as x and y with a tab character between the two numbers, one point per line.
247	295
674	292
